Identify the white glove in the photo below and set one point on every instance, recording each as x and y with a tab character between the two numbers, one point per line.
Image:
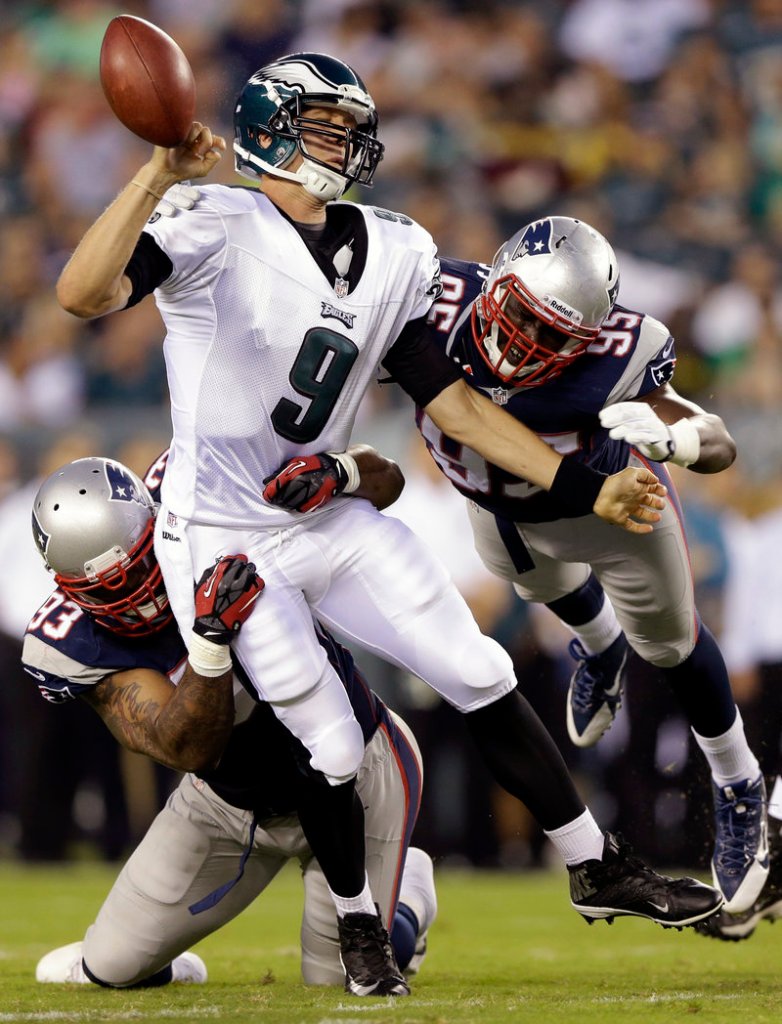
179	197
639	425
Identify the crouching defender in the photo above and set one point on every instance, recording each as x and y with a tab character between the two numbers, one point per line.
106	635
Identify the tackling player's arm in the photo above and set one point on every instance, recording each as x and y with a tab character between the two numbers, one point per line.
312	481
381	479
185	727
666	427
472	419
94	282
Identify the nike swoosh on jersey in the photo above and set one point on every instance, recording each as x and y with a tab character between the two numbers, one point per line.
34	674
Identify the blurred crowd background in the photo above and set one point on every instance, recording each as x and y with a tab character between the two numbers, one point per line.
657	121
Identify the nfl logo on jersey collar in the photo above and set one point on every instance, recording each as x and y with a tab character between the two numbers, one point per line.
499	396
340	287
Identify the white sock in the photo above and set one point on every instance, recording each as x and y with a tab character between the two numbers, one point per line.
361	904
728	755
597	635
579	840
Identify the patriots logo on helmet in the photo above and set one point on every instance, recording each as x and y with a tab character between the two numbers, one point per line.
123	487
42	538
535	241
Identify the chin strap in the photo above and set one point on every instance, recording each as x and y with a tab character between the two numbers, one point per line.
318	181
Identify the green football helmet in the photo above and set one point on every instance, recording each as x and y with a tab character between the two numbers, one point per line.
270	118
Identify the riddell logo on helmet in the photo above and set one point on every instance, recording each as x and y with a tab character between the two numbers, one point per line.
563	309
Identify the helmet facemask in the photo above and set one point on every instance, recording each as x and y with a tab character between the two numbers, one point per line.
499	332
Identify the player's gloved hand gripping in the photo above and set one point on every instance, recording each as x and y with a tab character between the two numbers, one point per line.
639	425
311	481
224	598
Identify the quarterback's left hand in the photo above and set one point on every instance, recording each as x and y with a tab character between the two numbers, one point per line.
179	197
311	481
639	425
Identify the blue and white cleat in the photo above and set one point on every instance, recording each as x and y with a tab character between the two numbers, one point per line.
740	864
595	692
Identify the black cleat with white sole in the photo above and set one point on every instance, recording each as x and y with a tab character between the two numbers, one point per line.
368	957
621	885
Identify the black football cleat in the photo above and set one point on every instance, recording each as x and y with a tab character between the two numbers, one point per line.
621	885
368	957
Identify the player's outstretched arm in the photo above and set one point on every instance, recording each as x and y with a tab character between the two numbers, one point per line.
93	281
473	419
665	427
307	482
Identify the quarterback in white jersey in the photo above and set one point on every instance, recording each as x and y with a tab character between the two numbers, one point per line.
280	306
286	375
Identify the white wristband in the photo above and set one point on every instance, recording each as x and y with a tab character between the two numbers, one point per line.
208	659
686	442
350	466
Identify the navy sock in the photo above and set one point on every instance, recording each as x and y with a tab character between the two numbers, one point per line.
581	605
404	935
702	686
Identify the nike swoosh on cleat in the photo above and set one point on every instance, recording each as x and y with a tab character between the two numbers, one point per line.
662	907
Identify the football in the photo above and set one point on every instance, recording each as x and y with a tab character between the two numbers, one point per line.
147	80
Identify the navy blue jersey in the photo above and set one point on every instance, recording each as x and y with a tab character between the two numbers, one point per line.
67	653
633	355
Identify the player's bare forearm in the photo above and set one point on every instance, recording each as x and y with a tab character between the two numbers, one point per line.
471	418
382	481
717	447
185	727
93	282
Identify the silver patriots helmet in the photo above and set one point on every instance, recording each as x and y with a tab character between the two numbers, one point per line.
271	124
550	288
93	523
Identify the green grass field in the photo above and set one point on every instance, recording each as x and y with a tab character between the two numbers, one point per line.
506	947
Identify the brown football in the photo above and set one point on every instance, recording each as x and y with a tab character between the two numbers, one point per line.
147	80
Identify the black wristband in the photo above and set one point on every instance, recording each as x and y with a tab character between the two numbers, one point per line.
575	488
